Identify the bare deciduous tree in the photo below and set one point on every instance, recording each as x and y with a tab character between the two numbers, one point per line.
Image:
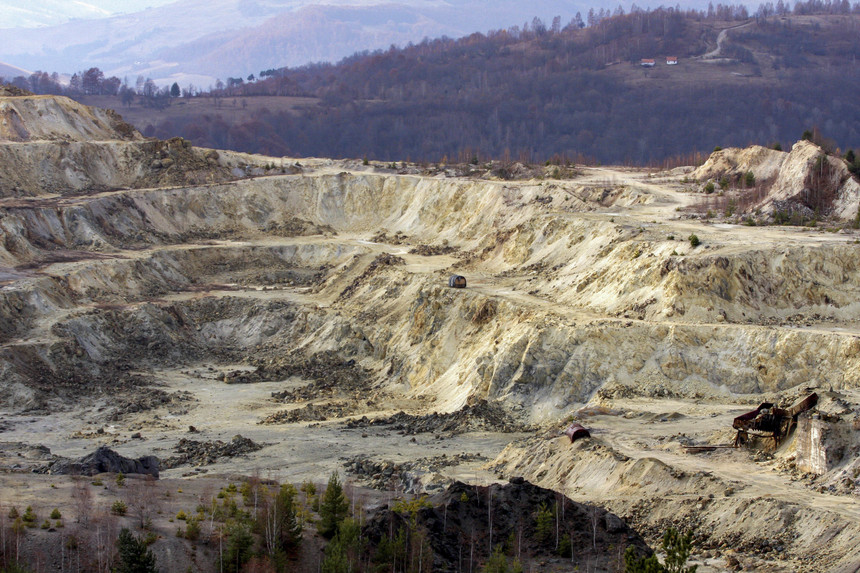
83	500
142	499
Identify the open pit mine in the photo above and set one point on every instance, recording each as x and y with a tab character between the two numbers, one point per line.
220	320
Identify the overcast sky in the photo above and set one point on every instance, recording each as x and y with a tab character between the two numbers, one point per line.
36	13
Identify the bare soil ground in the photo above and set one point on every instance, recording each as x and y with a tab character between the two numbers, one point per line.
308	312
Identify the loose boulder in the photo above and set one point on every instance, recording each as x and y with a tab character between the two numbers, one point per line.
105	460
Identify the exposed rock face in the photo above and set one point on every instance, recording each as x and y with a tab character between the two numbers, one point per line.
823	442
56	118
62	147
584	290
105	460
804	178
809	173
764	163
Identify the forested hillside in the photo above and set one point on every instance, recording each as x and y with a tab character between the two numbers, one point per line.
576	90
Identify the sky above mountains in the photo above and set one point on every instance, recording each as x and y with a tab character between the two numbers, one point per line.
39	13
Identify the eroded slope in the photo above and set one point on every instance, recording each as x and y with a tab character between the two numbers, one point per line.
316	296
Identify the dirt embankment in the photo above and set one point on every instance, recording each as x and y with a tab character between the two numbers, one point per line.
307	297
805	180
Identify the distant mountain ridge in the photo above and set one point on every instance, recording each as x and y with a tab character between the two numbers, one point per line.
211	39
7	71
28	14
577	94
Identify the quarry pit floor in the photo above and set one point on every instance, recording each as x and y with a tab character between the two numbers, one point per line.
639	428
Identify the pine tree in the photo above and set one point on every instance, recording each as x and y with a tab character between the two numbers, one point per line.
239	547
334	507
342	553
543	524
677	549
291	529
134	555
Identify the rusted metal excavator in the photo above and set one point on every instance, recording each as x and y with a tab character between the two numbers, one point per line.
769	421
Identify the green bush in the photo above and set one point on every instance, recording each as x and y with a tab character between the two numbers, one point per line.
119	508
853	161
564	547
731	207
676	547
543	524
309	488
749	179
239	547
134	554
694	241
498	563
56	514
192	529
709	187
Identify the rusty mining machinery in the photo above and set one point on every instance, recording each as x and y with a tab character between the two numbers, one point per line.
770	421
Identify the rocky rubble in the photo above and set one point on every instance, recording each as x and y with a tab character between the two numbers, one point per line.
381	261
404	476
309	413
149	399
433	250
197	453
20	456
482	416
332	377
296	227
103	460
397	238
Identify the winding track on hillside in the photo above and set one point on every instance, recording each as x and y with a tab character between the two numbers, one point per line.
721	37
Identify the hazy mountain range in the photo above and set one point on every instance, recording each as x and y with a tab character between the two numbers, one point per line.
197	41
34	14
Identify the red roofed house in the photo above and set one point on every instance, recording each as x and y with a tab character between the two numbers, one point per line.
671	61
647	63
